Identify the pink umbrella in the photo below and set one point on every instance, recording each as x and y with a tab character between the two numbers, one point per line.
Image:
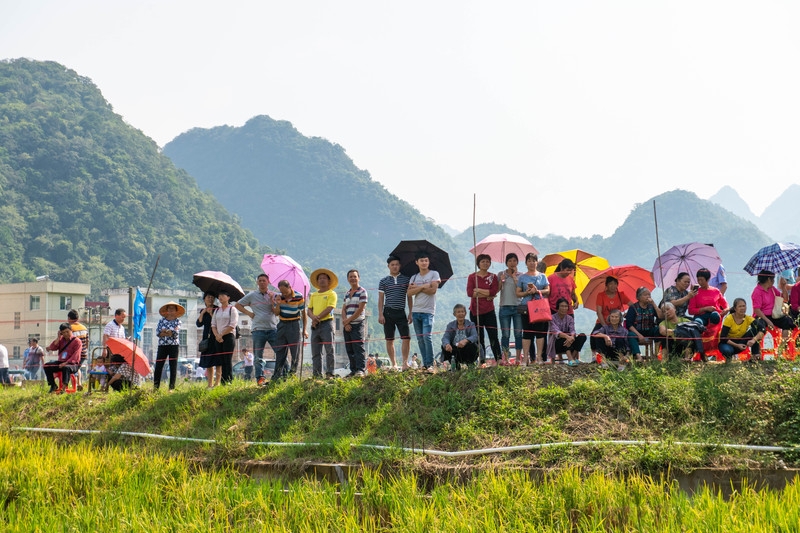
687	258
213	281
283	267
498	245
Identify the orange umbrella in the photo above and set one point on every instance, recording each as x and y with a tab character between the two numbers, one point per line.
132	354
630	278
586	266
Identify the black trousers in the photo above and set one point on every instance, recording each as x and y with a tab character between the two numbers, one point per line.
166	353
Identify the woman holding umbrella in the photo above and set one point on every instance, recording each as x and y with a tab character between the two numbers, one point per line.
680	294
482	287
204	321
610	299
223	325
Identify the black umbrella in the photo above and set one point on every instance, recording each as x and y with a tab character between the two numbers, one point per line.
213	281
407	252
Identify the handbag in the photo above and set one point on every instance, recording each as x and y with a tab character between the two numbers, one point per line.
777	307
203	346
539	311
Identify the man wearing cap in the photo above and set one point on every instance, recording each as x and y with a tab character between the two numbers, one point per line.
69	356
320	307
265	323
168	342
80	331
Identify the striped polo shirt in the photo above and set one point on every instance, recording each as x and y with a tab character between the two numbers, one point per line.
394	291
352	301
291	309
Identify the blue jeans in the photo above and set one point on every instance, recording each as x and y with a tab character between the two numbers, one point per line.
423	326
509	314
260	339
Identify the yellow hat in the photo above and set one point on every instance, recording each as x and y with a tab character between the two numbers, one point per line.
181	309
334	280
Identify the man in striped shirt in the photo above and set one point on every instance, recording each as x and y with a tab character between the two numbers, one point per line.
392	300
289	307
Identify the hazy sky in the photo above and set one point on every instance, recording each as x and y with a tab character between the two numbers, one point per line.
559	115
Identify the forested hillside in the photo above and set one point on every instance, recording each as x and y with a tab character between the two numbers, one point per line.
84	197
305	197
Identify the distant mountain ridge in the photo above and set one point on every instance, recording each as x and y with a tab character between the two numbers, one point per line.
777	220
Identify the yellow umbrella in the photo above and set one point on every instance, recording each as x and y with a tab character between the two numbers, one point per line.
587	266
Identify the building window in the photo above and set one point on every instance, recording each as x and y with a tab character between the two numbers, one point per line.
34	303
17	319
182	301
184	348
17	352
65	303
147	337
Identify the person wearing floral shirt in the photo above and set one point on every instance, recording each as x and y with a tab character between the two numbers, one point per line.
167	332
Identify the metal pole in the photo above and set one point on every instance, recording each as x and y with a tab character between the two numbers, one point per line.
661	274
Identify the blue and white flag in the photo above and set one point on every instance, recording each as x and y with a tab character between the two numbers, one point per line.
139	315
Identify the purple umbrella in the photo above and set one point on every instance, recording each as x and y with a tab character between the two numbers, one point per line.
776	258
213	281
283	267
688	258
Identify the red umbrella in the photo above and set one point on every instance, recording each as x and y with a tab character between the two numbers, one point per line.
630	278
132	354
498	245
283	267
213	281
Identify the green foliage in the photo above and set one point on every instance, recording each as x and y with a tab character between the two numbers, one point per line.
45	486
87	198
473	409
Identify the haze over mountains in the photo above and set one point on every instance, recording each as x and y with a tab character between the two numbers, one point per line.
86	197
779	218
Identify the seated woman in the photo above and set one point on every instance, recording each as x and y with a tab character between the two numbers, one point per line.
607	301
740	331
708	304
124	375
763	298
459	342
562	337
794	301
641	321
680	340
612	339
680	294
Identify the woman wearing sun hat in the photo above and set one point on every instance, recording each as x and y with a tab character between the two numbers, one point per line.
320	310
168	341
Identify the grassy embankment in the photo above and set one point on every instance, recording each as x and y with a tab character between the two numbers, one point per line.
737	404
48	486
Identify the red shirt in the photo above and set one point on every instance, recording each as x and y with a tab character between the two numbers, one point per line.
71	354
561	288
705	297
489	282
618	301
